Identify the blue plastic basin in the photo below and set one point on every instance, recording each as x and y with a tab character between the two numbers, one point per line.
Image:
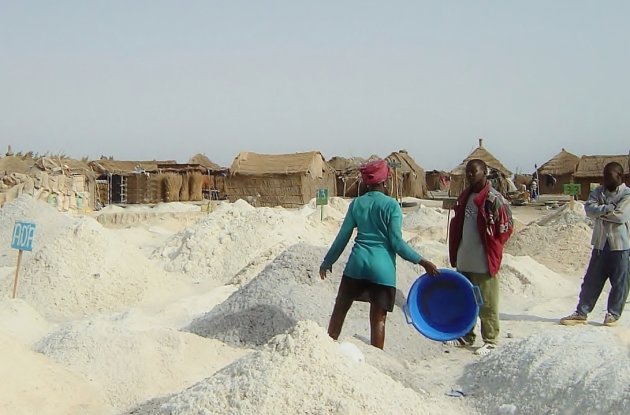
444	307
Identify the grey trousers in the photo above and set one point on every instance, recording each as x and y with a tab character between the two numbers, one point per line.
605	265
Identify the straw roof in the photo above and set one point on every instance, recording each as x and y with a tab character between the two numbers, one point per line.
16	164
407	163
342	163
483	154
125	166
562	163
593	166
253	164
203	160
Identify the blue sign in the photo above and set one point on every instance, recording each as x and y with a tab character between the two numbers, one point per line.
23	235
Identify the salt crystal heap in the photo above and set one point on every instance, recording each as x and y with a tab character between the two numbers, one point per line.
558	371
303	371
565	234
233	237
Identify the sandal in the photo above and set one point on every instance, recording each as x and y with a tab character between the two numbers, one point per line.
457	343
487	348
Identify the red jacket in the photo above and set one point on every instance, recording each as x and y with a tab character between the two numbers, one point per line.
494	223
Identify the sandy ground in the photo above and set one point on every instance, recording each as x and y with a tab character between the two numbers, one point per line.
114	359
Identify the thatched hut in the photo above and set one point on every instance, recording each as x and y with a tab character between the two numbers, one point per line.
557	172
458	174
65	183
437	181
289	180
347	174
126	181
590	171
214	183
409	176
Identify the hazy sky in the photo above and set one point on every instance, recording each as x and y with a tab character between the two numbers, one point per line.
167	79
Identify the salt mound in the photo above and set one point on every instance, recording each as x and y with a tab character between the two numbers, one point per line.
425	217
48	219
130	365
34	384
86	269
303	371
176	207
432	250
234	236
339	204
570	214
111	209
335	209
520	275
19	320
563	371
525	277
548	244
289	290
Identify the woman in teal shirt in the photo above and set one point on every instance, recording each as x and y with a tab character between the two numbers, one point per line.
370	274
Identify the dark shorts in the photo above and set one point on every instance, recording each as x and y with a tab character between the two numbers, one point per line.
352	289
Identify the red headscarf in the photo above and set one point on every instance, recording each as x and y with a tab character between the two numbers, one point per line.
374	172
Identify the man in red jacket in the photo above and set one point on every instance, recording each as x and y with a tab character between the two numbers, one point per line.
481	227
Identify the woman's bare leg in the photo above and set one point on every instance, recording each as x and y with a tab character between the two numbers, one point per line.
338	317
377	325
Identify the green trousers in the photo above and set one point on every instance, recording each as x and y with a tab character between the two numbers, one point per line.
489	311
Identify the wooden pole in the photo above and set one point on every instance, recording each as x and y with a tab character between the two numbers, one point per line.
17	273
448	219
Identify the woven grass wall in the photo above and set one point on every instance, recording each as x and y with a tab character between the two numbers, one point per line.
171	186
195	186
290	191
184	191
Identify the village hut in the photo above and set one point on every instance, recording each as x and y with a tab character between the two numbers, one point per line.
590	169
557	172
437	181
458	174
126	181
64	183
213	185
408	178
347	174
289	180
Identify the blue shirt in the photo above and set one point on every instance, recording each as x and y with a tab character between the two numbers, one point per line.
378	219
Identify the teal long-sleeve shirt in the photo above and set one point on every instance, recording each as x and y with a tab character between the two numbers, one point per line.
378	219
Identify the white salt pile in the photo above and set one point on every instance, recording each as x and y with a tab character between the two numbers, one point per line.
49	222
290	289
20	321
562	248
34	384
303	371
86	269
425	217
560	240
570	214
520	275
561	371
132	364
337	203
176	207
234	236
525	277
336	209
